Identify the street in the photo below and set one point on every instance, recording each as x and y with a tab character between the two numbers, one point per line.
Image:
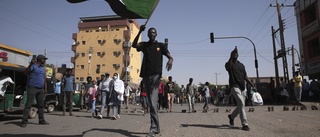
263	123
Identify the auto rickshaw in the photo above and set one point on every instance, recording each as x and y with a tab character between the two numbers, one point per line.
15	96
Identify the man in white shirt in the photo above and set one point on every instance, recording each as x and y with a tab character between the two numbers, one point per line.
127	91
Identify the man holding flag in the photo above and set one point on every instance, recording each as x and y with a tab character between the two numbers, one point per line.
151	71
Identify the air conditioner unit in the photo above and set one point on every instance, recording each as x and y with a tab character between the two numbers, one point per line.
118	65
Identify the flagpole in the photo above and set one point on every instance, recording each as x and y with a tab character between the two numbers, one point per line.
154	7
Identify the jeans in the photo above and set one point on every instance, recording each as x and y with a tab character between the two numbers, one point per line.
93	108
67	99
144	102
126	100
206	103
105	100
152	88
191	102
240	99
31	93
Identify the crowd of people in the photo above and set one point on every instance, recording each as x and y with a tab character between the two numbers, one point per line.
153	93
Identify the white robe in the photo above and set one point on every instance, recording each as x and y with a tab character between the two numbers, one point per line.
3	85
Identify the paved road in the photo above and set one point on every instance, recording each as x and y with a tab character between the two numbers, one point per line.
176	124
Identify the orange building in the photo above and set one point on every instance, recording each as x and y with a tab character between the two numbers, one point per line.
102	45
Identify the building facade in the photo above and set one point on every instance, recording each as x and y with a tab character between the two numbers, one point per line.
308	24
14	56
102	45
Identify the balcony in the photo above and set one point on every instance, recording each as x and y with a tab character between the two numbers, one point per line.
73	48
74	36
310	28
73	60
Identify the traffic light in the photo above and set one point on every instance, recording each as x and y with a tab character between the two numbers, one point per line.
211	37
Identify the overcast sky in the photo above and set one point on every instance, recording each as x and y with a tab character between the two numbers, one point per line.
39	25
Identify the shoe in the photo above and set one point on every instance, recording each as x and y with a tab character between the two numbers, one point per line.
151	134
23	125
126	107
118	116
71	114
114	117
43	123
231	122
100	116
245	128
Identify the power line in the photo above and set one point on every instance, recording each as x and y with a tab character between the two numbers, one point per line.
36	23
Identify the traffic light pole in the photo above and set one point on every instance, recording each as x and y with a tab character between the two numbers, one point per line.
254	49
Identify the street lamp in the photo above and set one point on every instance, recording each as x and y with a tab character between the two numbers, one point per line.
126	47
89	60
254	50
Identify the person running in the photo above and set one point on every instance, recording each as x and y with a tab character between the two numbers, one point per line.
237	77
151	71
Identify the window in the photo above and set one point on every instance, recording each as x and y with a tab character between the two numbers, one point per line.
83	54
313	48
81	79
117	29
83	42
99	41
309	15
82	66
98	53
103	65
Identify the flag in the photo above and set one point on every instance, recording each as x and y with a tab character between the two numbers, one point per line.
131	9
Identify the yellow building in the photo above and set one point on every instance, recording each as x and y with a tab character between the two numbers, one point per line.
101	45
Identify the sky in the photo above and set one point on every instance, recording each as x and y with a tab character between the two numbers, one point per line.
47	25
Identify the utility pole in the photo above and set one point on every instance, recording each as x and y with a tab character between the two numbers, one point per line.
275	58
216	79
283	48
293	68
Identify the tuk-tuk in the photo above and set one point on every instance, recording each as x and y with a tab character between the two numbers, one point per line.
15	96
